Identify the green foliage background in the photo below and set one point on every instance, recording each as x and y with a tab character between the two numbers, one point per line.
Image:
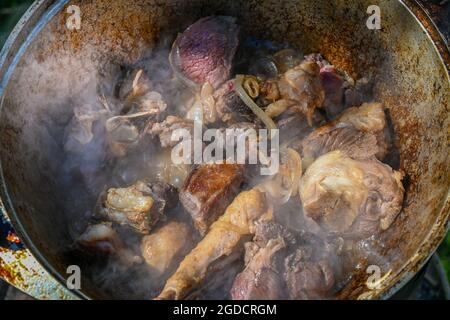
12	10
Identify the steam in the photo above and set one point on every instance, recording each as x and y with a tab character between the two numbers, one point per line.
65	140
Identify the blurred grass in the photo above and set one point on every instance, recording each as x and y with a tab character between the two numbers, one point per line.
12	10
10	13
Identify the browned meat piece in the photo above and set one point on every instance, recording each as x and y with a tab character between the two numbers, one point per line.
205	50
349	196
165	129
261	279
139	206
302	85
358	132
225	238
164	248
208	190
103	238
306	278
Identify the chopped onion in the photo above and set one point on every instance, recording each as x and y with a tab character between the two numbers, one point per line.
252	105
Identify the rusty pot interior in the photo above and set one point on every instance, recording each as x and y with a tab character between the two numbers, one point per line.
412	83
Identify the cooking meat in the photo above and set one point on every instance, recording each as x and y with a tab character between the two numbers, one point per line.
295	125
103	238
303	85
165	129
306	278
261	279
165	247
229	106
360	92
208	190
284	184
351	196
334	86
204	52
358	132
225	237
139	206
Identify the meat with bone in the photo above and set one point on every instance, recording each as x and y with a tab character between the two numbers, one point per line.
261	279
334	86
225	237
354	197
165	247
358	132
164	130
102	237
208	190
204	52
139	206
306	278
229	106
295	126
302	85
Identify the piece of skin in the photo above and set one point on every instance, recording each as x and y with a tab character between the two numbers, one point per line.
103	238
225	236
165	246
347	196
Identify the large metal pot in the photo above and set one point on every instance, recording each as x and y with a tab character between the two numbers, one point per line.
45	64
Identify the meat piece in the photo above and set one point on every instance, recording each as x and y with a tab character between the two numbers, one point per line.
260	279
229	106
361	92
357	144
165	247
358	132
307	279
103	238
268	230
205	50
225	237
296	126
208	190
165	129
357	197
303	85
139	206
369	118
333	84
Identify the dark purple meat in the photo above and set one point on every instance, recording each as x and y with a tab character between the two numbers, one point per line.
261	279
333	83
205	50
308	279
